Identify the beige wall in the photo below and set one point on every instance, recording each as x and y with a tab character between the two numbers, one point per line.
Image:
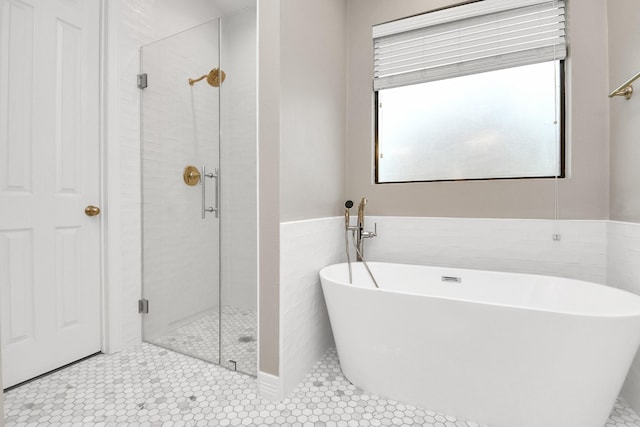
624	62
313	90
584	195
302	90
268	184
1	397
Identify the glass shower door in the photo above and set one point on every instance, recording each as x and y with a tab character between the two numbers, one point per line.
180	192
238	287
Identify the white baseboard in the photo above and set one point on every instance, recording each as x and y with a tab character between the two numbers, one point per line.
269	387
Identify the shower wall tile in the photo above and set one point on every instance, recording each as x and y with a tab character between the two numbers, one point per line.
514	245
305	333
133	31
623	271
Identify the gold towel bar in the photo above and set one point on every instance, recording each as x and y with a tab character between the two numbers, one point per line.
625	89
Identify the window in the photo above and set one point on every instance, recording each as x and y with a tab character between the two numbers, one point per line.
471	92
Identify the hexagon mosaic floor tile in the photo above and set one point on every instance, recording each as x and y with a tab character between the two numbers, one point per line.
152	386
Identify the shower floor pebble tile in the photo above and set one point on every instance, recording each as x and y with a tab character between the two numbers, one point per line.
151	386
199	338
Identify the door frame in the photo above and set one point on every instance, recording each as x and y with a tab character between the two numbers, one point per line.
110	272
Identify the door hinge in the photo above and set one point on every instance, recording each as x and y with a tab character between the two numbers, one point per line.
142	81
143	306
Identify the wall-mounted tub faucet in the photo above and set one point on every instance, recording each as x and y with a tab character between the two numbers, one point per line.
357	233
363	203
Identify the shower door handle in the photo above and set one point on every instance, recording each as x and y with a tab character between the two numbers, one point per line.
204	194
216	176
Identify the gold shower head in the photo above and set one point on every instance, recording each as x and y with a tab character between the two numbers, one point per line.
214	78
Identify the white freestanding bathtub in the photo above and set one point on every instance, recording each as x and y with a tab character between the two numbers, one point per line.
508	350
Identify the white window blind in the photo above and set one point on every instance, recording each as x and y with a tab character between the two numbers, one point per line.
473	38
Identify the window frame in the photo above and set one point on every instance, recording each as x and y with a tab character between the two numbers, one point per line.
562	142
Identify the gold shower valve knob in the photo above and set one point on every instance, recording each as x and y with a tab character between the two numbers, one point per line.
191	175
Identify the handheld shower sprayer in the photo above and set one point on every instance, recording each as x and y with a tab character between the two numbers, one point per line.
348	205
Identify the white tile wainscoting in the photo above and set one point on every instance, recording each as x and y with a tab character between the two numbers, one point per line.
623	255
514	245
305	334
623	271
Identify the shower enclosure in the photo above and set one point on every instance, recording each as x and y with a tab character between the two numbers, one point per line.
199	210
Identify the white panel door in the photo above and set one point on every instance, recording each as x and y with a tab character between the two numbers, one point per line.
49	173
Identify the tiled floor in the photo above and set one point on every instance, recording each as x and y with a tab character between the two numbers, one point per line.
152	386
200	339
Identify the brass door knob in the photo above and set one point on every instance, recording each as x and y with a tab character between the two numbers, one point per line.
91	210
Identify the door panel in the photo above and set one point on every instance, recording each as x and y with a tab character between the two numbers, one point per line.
16	263
15	155
49	146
